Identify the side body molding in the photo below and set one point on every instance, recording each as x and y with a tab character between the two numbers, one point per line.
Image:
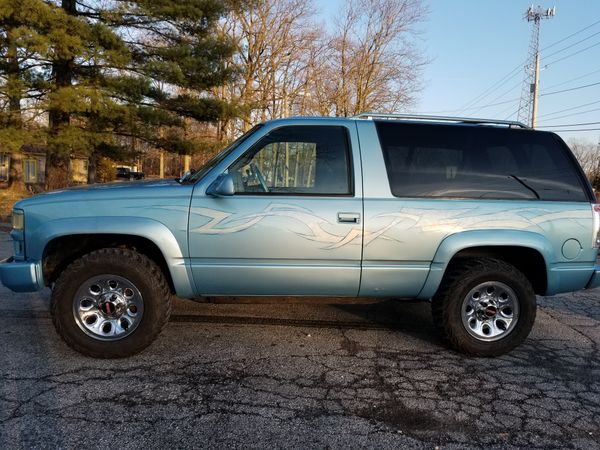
454	243
154	231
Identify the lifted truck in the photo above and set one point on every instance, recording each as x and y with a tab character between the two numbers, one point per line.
473	215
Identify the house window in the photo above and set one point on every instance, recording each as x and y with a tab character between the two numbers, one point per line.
4	166
30	170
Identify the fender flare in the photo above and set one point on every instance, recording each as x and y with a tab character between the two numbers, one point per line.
150	229
455	243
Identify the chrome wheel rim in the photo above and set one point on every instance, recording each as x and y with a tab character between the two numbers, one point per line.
490	311
108	307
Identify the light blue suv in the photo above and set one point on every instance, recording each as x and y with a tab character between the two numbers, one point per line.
477	216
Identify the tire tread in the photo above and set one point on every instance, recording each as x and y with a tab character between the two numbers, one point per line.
441	305
155	278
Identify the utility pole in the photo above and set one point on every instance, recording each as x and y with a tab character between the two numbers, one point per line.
529	95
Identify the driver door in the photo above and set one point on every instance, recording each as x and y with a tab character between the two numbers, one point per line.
293	226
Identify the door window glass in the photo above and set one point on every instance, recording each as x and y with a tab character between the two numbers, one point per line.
452	161
298	160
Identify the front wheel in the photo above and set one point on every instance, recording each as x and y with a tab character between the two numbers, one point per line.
484	307
110	303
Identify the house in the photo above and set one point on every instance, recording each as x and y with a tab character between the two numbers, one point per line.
33	165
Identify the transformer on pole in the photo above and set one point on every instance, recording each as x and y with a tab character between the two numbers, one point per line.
529	95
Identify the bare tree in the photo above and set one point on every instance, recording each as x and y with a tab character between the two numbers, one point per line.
271	38
586	153
374	63
290	66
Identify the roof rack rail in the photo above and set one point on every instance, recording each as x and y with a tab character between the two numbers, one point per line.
508	123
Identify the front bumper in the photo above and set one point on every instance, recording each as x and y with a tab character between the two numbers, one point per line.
21	276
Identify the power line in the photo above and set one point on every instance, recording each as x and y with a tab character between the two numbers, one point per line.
499	103
571	125
514	113
472	105
574	114
516	99
509	90
570	109
570	36
493	88
572	54
579	129
510	107
572	45
569	90
572	79
478	107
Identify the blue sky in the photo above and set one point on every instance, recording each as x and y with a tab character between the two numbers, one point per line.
473	44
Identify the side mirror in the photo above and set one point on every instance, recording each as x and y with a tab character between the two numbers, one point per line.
222	186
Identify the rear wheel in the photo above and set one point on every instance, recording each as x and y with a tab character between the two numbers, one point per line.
110	303
484	307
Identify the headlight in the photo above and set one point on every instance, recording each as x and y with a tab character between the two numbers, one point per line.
18	220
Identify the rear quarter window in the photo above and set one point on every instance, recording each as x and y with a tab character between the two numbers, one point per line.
450	161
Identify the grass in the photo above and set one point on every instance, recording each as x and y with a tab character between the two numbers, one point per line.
8	197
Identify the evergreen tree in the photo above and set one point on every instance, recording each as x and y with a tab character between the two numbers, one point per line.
82	108
178	57
106	74
23	44
175	58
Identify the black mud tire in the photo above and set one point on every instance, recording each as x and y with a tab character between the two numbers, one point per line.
129	264
459	280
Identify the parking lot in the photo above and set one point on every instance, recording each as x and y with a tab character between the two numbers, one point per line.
301	375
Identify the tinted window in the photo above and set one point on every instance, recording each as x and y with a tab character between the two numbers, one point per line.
425	160
296	160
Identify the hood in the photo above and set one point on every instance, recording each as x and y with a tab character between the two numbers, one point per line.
117	190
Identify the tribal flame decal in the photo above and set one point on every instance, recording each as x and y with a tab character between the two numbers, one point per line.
224	223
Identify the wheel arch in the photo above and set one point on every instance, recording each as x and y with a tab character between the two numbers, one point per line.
527	251
63	250
62	241
526	259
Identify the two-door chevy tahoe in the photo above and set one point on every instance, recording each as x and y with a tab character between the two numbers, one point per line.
477	216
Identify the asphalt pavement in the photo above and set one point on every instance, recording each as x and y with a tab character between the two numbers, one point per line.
301	374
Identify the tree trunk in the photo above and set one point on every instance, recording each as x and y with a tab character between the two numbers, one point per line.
92	168
13	83
57	171
14	89
15	171
57	160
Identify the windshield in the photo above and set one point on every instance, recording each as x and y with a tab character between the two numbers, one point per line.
221	155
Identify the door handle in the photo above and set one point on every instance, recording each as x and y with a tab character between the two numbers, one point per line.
344	217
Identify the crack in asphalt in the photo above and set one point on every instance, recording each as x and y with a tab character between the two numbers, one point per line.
310	383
